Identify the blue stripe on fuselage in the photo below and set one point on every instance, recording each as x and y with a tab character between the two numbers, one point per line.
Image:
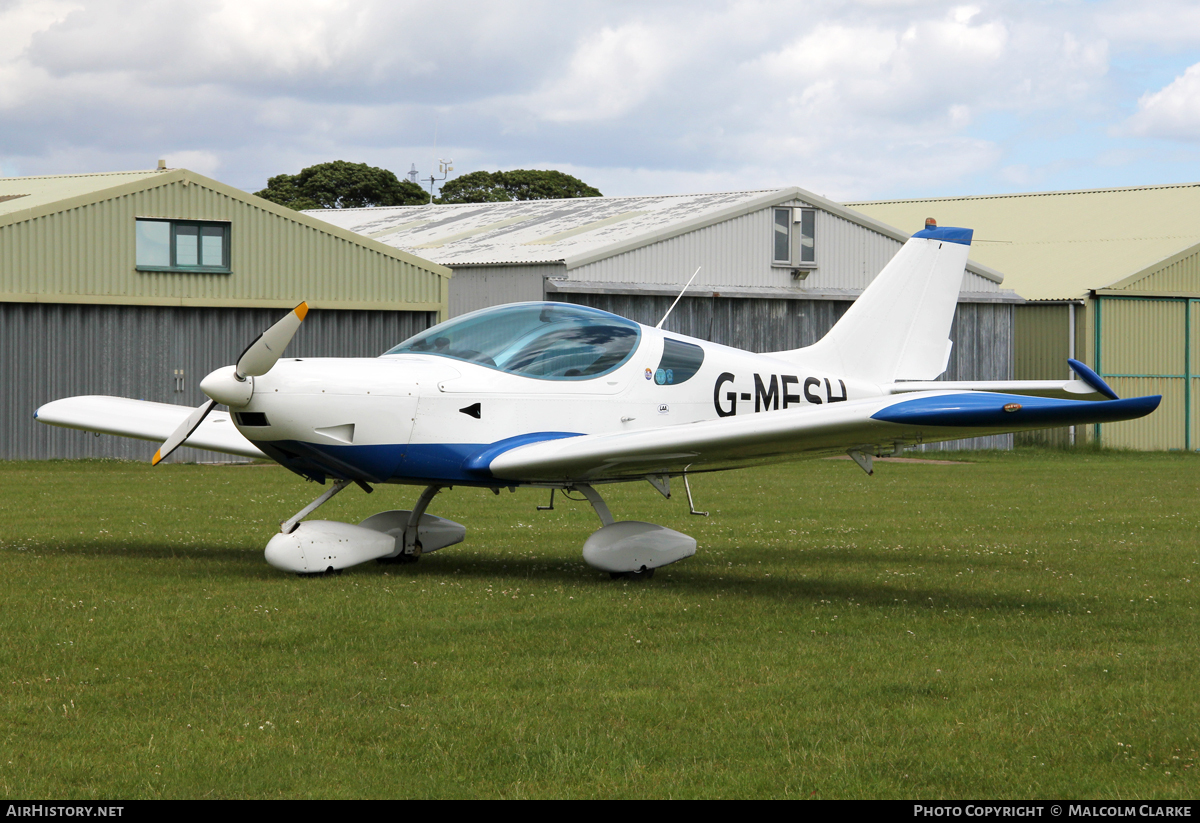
462	463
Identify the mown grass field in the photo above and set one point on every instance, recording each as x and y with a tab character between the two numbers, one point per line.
1022	625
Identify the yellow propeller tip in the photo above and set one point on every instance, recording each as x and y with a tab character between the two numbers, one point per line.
157	458
301	310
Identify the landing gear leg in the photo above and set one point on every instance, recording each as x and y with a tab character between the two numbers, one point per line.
289	526
598	504
411	552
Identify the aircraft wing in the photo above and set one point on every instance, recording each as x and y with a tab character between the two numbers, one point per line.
145	420
871	426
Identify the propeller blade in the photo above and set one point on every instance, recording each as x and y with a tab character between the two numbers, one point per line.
182	433
263	353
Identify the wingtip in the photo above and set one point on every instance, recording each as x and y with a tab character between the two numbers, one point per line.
302	310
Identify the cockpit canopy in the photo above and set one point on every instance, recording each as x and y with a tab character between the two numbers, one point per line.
549	341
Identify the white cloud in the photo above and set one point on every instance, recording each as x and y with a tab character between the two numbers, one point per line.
848	98
1171	112
1161	25
608	76
204	162
19	22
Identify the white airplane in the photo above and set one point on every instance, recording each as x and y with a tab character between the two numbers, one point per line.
566	397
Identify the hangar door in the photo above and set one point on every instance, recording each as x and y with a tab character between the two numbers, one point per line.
1143	346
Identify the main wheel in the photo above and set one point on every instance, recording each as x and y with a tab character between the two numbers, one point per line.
399	559
641	574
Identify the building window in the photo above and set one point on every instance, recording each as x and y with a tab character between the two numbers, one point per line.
783	237
182	245
807	238
794	238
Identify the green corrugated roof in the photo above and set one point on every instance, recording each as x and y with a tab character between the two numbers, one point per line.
70	238
1060	245
24	193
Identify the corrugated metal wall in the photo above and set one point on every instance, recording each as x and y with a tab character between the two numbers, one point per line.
1193	420
982	333
849	256
732	251
1181	276
49	351
755	325
738	253
1142	348
90	251
1040	351
477	287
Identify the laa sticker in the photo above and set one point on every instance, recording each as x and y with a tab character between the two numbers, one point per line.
663	408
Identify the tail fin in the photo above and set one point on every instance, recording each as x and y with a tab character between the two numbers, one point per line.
899	327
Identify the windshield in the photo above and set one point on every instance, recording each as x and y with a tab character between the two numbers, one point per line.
551	341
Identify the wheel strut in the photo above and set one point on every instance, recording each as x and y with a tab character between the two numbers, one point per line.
597	502
289	526
412	546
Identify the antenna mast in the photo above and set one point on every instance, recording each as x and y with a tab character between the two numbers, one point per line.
685	288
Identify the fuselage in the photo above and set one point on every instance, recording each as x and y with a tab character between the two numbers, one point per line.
434	417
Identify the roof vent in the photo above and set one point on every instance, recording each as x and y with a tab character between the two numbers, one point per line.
162	164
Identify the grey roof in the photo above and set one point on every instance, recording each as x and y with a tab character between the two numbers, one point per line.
573	232
538	231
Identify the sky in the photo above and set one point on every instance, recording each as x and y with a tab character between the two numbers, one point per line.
851	100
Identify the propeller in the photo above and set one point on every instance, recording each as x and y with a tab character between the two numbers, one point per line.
229	385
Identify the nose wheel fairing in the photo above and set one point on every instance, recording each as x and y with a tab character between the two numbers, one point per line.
317	546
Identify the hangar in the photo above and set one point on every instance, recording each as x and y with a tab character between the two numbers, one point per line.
1112	277
777	268
140	283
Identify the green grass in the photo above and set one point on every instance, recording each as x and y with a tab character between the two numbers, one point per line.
1020	626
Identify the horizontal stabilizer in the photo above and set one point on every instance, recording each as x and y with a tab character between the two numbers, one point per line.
145	420
1060	389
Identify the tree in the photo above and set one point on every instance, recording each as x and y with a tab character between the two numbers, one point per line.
342	185
518	184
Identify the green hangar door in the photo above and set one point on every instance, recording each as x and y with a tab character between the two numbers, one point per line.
1149	345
